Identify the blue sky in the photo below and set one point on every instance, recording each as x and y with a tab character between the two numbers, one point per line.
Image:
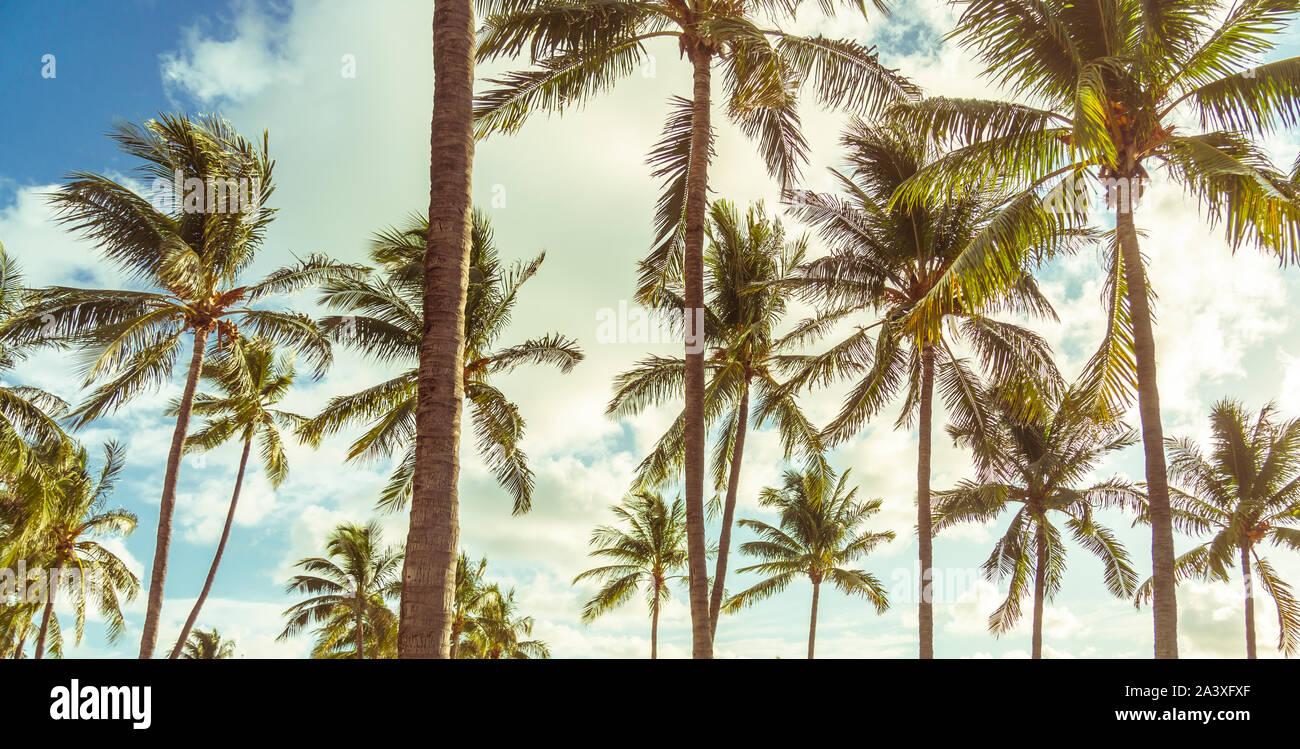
353	157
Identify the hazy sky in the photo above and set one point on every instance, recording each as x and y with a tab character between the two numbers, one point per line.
352	157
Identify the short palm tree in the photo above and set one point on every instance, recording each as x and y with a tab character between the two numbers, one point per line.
351	583
381	317
816	536
501	632
1037	464
472	594
191	253
887	262
252	380
647	551
580	48
207	644
1245	490
746	261
1113	90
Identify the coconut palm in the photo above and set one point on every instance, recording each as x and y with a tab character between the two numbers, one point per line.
1037	465
885	262
207	644
351	583
817	534
193	251
580	48
501	631
336	638
1111	91
381	318
67	542
645	553
472	594
745	262
1245	490
252	379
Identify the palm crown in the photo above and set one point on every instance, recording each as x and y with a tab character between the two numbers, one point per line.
208	644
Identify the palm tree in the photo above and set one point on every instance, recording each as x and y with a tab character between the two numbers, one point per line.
207	645
582	47
888	261
67	542
381	318
191	251
1038	463
252	379
429	575
353	580
501	632
472	594
745	262
1245	491
1112	87
648	552
817	535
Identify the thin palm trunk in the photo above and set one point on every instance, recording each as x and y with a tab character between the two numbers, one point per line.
1040	587
1165	603
429	572
52	590
1250	602
696	205
18	651
728	512
455	638
812	620
361	635
216	558
654	627
925	610
166	508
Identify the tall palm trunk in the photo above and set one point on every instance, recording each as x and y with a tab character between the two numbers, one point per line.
216	558
812	620
361	635
1040	587
1165	604
158	576
1250	602
728	512
696	205
429	572
52	590
925	609
654	627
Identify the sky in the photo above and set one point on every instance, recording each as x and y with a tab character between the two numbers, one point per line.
352	157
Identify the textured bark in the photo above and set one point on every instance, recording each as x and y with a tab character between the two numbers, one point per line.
696	206
1165	605
654	627
216	558
812	619
925	609
728	512
52	590
361	634
1250	602
1040	587
429	572
167	507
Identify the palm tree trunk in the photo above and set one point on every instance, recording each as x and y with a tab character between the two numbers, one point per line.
158	576
728	512
1040	587
925	610
812	621
1165	605
361	635
52	590
696	206
429	572
455	639
1250	602
654	627
18	651
216	559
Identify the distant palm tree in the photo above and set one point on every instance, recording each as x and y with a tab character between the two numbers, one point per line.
647	553
1115	88
817	535
581	48
353	581
207	645
1245	491
381	317
501	631
252	379
472	594
745	262
893	262
193	252
1038	462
